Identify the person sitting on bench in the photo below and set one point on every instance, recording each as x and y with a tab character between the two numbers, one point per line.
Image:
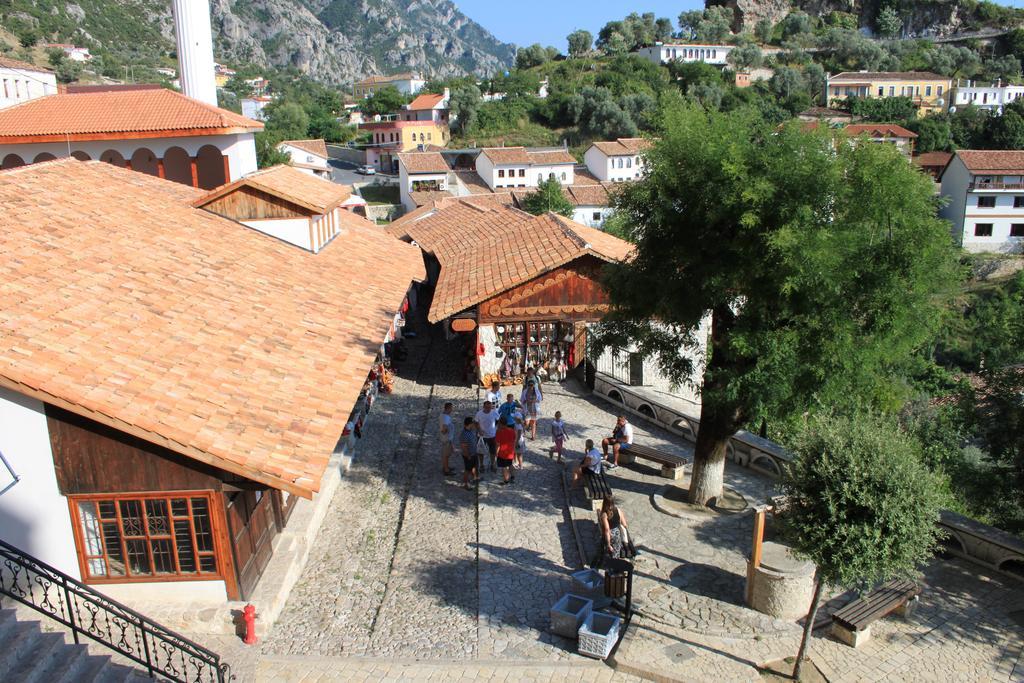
591	462
621	439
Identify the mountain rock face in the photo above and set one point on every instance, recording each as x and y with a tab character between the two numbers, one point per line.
924	18
338	41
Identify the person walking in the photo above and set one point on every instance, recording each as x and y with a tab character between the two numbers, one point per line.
487	426
531	397
506	441
494	394
620	440
614	530
557	435
590	464
446	434
517	416
467	445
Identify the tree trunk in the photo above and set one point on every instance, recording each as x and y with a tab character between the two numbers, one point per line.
708	464
808	627
718	420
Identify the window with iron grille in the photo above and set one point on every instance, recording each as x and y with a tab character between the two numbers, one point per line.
142	537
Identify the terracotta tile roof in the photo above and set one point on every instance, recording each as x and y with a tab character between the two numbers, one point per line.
423	197
550	158
485	248
8	63
423	162
423	102
473	183
623	146
121	302
318	147
860	76
372	80
933	159
131	113
507	155
302	189
577	195
584	177
992	161
879	130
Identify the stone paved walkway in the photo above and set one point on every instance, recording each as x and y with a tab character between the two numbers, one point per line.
414	578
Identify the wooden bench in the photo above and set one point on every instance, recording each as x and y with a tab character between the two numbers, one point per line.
671	465
852	624
595	488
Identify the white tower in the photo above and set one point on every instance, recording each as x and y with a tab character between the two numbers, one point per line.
195	49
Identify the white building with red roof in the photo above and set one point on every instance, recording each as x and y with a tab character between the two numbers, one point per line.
21	82
985	189
145	128
309	156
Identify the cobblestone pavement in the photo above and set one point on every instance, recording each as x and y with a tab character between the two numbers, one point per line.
690	581
414	578
367	670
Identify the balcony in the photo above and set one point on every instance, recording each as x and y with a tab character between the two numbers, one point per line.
978	185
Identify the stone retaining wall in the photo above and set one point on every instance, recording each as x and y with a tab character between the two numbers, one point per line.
350	154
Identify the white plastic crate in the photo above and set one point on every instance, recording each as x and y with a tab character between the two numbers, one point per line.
569	613
598	634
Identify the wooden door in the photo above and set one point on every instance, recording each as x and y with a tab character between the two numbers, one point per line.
251	518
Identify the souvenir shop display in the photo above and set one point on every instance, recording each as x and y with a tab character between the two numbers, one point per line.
545	346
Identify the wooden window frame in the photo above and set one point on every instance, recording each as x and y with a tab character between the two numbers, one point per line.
222	552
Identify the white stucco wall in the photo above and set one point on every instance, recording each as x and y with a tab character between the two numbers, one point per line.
964	214
622	168
709	54
536	173
21	85
239	148
586	215
597	163
292	230
485	169
34	516
303	156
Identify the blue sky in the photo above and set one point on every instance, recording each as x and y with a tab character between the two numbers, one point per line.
549	21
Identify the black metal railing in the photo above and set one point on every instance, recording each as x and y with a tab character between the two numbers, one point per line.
49	591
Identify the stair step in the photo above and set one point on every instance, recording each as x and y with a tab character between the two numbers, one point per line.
116	673
20	639
61	661
43	646
86	669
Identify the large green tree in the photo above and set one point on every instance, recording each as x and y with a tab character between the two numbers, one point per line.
860	505
384	101
816	263
548	197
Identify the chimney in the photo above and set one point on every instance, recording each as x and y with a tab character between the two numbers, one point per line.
195	49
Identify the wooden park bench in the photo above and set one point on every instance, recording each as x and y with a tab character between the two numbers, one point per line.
595	488
852	624
671	465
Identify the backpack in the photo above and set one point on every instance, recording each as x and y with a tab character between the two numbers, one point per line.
506	413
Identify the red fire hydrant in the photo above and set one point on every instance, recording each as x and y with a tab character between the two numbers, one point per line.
249	615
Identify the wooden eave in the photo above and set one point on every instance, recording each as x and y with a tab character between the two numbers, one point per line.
160	440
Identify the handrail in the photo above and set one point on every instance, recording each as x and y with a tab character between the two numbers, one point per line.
85	611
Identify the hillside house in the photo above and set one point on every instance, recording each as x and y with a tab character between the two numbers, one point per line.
992	97
616	161
985	193
420	124
517	167
929	92
156	131
405	83
21	82
174	383
309	156
663	53
889	133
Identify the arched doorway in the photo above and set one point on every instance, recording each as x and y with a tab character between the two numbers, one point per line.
178	166
43	156
12	161
210	167
81	156
112	156
144	161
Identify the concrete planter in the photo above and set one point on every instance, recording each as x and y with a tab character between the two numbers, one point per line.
588	582
569	613
598	634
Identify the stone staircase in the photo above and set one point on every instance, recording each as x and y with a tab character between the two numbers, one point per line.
37	651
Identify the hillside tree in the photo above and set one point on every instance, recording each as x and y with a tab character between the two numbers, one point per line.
746	56
860	505
763	30
716	25
580	42
889	23
814	276
383	102
548	197
463	105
